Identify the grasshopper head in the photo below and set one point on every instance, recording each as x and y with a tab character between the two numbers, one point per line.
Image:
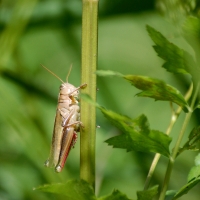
69	89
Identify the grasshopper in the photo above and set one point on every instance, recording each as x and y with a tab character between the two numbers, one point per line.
66	124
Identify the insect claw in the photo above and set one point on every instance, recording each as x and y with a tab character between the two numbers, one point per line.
58	169
81	124
46	164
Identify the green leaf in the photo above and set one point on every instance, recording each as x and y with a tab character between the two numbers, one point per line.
191	31
137	135
192	142
193	179
108	73
89	100
186	188
195	171
198	105
197	160
176	60
157	89
170	194
153	88
73	190
148	194
116	195
191	26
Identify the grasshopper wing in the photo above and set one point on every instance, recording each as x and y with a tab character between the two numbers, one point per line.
56	141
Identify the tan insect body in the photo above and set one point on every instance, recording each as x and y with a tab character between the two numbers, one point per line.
66	124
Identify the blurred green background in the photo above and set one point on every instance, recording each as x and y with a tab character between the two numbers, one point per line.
49	32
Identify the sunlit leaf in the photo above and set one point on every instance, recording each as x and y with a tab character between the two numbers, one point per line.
176	60
73	190
137	134
151	87
108	73
147	194
116	195
157	89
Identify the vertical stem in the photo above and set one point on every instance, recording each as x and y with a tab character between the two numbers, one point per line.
88	112
168	131
177	145
173	157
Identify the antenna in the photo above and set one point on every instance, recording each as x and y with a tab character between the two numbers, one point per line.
55	74
70	69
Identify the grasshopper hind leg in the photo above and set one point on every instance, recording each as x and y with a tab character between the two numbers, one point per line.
71	137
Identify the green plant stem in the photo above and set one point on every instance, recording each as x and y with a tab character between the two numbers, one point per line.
88	111
168	131
177	145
